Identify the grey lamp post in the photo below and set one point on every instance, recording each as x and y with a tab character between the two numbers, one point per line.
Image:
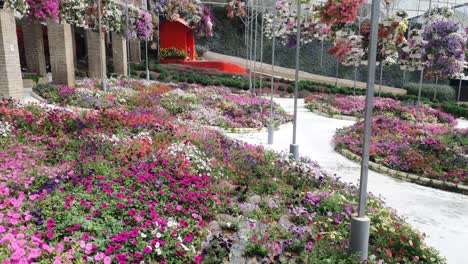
294	147
103	61
146	50
271	130
128	40
360	223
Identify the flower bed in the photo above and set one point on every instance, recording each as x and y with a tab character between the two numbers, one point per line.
335	104
132	184
210	105
433	151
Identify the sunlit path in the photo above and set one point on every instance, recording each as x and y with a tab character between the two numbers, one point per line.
442	215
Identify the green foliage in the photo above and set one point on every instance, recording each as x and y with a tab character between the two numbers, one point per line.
455	109
173	53
444	92
290	89
281	88
255	250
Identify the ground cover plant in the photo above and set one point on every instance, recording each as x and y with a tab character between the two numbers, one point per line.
176	73
210	105
431	150
130	183
337	104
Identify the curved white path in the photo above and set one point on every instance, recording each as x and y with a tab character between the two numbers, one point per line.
442	216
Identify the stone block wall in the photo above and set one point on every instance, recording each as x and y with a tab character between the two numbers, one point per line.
11	83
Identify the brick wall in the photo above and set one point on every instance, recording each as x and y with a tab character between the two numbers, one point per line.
11	84
61	53
34	47
96	55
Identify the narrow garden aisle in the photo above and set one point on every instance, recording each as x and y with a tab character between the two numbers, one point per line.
442	215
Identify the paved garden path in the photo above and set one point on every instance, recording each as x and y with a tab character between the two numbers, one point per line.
443	216
290	73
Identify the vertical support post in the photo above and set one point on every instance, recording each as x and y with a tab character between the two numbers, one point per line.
321	54
459	89
381	76
336	72
61	53
11	83
294	147
251	45
421	77
34	46
360	224
255	49
270	127
102	53
128	39
119	54
261	54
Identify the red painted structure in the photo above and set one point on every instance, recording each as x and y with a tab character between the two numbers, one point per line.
178	34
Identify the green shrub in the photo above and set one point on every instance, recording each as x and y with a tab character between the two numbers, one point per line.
173	53
143	75
454	109
444	92
254	250
290	89
282	88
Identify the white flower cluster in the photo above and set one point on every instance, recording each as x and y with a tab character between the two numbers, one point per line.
18	6
5	129
191	153
412	51
438	14
74	12
282	24
304	166
356	53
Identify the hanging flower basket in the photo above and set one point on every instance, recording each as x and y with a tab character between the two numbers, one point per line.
17	6
338	12
42	10
236	8
445	48
74	12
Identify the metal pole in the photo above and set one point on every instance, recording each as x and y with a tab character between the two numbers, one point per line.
336	72
273	48
146	53
261	55
254	74
435	88
355	77
459	89
101	59
321	55
147	64
360	224
294	148
128	39
421	77
381	75
251	45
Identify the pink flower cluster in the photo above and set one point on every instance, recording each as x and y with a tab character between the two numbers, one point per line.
43	10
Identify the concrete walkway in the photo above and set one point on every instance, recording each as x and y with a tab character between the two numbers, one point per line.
290	73
441	215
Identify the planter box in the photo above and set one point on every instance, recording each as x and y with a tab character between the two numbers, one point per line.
173	60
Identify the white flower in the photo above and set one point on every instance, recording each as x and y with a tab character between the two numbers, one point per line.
143	235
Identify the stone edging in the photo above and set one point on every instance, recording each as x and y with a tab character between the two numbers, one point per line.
438	184
341	117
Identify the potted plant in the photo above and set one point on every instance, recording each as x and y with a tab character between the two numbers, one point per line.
173	55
